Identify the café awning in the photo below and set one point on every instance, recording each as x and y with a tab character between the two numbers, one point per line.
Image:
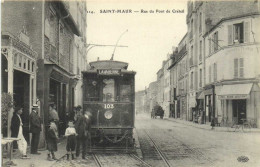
238	91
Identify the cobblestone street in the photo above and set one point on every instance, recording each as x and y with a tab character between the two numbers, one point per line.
182	145
185	145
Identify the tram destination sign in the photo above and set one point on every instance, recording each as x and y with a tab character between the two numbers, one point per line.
108	71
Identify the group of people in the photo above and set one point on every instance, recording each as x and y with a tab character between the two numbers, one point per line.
77	132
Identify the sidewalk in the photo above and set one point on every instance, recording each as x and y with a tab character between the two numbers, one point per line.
38	160
208	127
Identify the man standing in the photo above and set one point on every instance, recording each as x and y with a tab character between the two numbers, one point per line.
17	131
35	128
53	114
82	127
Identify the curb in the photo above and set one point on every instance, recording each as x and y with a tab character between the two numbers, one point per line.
217	129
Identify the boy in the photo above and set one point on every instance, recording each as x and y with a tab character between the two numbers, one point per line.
71	140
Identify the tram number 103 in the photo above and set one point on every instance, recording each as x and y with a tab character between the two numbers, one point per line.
108	106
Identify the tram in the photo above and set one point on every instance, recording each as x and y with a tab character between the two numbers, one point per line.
109	91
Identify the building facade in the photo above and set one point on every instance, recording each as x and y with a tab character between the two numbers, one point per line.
52	31
232	69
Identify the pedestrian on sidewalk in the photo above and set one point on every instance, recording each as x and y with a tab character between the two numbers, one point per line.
52	137
17	132
53	114
212	122
71	134
35	129
82	127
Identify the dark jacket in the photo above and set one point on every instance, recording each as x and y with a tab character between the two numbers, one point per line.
82	126
15	125
35	123
51	140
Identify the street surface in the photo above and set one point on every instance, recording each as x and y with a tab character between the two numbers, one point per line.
181	145
188	146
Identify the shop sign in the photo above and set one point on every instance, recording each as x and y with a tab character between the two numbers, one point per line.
223	97
108	72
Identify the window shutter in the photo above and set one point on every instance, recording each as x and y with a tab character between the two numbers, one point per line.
246	32
230	35
209	45
241	69
235	68
209	74
215	72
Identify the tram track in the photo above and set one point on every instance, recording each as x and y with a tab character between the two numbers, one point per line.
101	160
163	157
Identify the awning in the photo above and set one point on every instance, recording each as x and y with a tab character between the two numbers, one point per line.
201	96
238	91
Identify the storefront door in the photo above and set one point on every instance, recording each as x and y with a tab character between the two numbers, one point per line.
239	110
22	99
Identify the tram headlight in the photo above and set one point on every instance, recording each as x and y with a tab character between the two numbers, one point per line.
108	114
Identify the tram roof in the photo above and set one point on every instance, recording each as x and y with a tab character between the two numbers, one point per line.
108	64
94	71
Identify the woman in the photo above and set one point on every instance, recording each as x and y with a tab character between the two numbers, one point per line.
17	131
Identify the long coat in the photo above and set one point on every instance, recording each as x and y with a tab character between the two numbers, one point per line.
35	123
82	126
15	125
51	140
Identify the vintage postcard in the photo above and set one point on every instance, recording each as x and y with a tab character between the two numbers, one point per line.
130	83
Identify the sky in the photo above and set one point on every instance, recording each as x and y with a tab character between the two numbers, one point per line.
150	37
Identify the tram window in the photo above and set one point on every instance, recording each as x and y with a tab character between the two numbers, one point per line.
108	90
92	91
125	92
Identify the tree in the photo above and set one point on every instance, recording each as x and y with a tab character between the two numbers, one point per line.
6	103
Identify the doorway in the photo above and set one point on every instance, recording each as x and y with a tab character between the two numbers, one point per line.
239	110
21	97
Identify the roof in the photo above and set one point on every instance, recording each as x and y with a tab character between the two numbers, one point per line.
108	64
229	18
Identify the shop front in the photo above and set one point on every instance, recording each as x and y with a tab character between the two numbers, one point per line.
19	77
200	107
59	91
240	103
209	103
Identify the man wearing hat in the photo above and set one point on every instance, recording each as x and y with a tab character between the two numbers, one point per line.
82	127
35	128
